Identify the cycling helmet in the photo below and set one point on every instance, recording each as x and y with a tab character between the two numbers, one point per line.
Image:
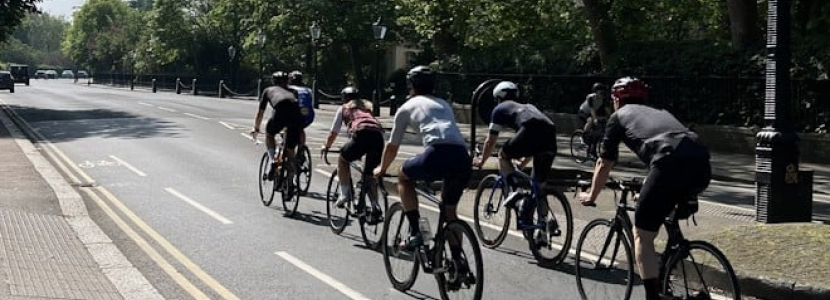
630	88
349	93
506	90
279	76
421	78
599	87
295	76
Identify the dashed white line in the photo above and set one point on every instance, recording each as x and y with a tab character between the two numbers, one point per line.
229	126
145	104
196	116
129	166
198	206
167	109
339	286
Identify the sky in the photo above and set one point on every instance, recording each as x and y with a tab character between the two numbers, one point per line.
60	7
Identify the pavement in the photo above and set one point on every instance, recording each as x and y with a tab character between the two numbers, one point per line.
51	249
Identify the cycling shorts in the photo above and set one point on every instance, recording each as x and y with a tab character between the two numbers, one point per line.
286	116
367	142
534	139
450	163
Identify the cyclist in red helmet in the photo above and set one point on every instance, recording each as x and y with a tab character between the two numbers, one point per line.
678	168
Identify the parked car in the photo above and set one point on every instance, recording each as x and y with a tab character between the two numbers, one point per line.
20	73
51	74
6	81
40	74
67	74
82	74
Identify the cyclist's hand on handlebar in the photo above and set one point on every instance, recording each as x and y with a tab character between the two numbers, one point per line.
585	199
378	172
478	162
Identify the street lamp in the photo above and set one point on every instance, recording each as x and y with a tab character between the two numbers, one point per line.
231	54
379	32
315	36
261	40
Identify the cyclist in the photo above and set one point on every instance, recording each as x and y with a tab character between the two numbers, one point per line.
592	110
286	115
535	138
444	158
678	168
305	97
366	139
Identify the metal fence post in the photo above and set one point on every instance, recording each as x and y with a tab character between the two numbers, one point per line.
193	89
154	85
221	89
178	85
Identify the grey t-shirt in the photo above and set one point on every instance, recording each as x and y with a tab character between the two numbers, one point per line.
431	117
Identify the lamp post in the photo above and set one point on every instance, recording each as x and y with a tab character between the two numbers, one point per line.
261	40
315	36
231	54
379	32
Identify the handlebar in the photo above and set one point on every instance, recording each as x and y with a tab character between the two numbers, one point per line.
633	184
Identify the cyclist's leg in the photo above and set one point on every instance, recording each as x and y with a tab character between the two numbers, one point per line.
543	157
519	146
273	127
347	155
293	133
374	150
455	164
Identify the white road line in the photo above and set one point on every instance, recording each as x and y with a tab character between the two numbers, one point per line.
339	286
198	206
145	104
167	109
196	116
229	126
129	166
407	153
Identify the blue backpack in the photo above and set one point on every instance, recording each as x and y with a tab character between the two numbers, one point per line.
306	100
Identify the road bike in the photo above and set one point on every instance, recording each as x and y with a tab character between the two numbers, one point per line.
688	269
586	145
273	177
547	226
459	276
370	227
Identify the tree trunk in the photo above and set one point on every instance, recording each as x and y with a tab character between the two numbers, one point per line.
357	64
743	19
602	28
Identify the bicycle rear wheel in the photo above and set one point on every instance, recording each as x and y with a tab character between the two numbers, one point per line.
266	185
491	219
559	232
700	271
372	231
304	162
579	149
338	217
401	264
462	275
604	262
290	196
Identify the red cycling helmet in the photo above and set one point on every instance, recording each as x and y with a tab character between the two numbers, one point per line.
629	87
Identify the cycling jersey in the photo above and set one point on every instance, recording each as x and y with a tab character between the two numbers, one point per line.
512	115
593	101
305	97
273	95
431	117
355	118
535	135
286	113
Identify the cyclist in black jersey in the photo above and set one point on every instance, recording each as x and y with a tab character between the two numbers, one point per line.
286	115
678	168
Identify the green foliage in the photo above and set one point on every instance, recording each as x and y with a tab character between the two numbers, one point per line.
12	12
36	40
102	34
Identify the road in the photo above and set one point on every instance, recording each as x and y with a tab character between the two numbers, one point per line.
170	179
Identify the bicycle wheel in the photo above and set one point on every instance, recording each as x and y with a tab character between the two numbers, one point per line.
305	169
604	262
491	219
700	271
371	232
401	265
266	185
338	217
290	196
463	273
559	232
579	149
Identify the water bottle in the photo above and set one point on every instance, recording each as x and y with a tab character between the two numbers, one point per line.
426	234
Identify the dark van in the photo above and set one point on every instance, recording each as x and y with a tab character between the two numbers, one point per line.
20	73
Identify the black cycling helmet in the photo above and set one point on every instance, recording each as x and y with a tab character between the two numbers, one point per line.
421	78
295	76
349	93
279	77
630	90
597	87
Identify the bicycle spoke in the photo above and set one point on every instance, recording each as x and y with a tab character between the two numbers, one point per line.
604	263
702	272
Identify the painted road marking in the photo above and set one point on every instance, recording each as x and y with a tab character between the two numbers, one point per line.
167	109
196	116
229	126
339	286
145	104
198	206
129	166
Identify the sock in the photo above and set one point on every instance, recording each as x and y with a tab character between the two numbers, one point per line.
413	216
652	287
271	153
345	189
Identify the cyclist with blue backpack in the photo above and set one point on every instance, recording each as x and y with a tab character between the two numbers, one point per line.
305	97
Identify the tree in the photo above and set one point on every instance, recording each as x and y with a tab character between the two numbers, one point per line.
602	29
102	34
12	13
744	26
36	41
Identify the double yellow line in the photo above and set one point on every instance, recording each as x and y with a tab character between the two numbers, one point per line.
106	201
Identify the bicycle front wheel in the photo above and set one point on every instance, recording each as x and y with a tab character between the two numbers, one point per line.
305	170
338	217
700	271
290	192
579	149
604	262
266	183
559	232
491	219
458	264
401	264
372	231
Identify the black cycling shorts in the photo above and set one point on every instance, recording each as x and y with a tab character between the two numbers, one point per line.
450	163
535	139
367	142
671	180
286	116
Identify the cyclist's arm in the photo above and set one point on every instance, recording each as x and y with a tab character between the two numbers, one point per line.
489	144
590	100
335	127
263	104
610	152
391	149
497	120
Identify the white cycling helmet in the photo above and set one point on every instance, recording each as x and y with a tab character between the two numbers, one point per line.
505	87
